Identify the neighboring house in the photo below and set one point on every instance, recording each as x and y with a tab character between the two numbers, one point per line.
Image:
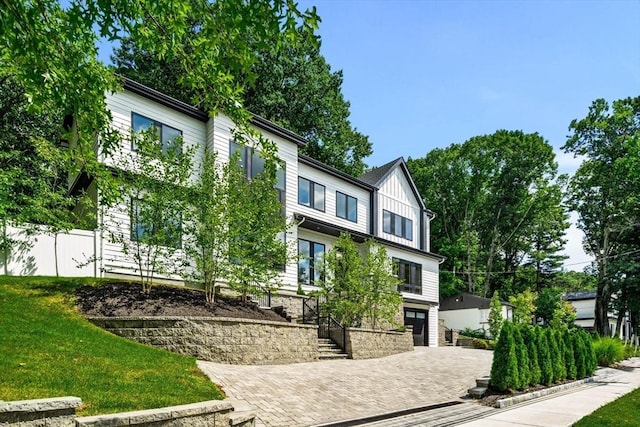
585	304
383	204
470	311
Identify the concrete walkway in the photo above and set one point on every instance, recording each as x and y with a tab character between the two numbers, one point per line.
567	408
305	394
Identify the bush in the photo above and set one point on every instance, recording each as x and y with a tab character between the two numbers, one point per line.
591	362
544	357
504	369
529	336
569	356
524	374
480	344
631	351
579	354
474	333
608	351
557	355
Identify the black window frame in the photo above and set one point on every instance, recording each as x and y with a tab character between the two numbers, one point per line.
312	198
311	260
347	200
406	225
161	127
409	270
134	226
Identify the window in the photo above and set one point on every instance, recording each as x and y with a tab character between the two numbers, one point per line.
310	263
310	194
411	275
166	134
249	159
397	225
168	232
346	207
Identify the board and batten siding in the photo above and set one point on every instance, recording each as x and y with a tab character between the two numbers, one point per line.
333	184
429	274
395	196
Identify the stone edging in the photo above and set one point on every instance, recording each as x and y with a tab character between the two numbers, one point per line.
375	331
510	401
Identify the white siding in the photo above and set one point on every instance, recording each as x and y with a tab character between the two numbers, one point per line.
429	274
434	330
395	196
333	184
460	319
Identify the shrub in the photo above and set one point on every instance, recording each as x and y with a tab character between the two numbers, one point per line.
480	344
631	351
569	356
473	333
557	359
579	354
544	357
529	336
608	351
591	362
504	369
524	375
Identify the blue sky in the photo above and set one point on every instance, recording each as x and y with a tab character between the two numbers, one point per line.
426	74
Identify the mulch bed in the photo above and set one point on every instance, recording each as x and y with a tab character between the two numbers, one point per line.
127	299
492	396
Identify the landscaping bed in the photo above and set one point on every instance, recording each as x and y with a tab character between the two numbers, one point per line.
126	299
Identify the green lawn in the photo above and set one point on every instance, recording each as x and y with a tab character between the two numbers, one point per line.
623	412
49	350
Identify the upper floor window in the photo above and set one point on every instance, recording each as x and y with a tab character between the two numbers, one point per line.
346	207
397	225
310	262
311	194
165	232
411	275
166	134
249	159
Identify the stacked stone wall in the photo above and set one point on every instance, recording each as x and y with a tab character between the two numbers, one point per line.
219	339
55	412
369	344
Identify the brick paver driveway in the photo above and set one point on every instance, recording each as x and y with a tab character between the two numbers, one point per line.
304	394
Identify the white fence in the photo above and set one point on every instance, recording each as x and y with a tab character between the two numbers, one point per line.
35	254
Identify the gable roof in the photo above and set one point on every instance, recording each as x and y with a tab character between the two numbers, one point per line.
465	301
377	176
581	295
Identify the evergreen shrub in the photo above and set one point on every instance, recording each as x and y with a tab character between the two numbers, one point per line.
504	369
524	371
544	357
529	336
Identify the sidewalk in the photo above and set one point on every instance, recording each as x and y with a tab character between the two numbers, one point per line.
565	409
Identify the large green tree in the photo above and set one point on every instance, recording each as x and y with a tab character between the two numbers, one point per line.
289	83
604	192
499	207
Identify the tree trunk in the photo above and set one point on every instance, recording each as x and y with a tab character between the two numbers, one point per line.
619	321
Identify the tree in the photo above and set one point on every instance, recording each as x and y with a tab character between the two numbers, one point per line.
545	359
546	304
341	286
70	34
563	316
599	189
206	229
530	338
499	207
569	354
256	245
522	354
296	89
504	368
382	300
152	184
495	316
524	306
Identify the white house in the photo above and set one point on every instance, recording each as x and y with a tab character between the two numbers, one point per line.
469	311
585	304
383	204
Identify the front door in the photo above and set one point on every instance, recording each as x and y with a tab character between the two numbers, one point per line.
420	322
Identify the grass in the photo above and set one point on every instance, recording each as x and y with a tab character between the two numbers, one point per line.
50	350
623	412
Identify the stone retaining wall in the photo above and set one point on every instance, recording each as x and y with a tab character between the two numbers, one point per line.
55	412
369	343
221	339
60	412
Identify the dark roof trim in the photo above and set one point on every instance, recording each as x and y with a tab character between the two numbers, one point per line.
324	227
164	99
377	178
420	301
333	171
197	113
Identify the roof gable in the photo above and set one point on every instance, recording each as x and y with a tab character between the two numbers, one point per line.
377	177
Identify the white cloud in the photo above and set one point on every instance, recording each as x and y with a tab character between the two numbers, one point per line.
578	259
567	162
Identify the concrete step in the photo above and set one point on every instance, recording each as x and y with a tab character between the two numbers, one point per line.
332	356
483	382
477	392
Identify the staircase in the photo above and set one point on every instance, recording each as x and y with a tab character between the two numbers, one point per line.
328	350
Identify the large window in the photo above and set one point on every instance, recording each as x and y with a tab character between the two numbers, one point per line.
397	225
166	134
168	231
310	262
346	207
311	194
411	275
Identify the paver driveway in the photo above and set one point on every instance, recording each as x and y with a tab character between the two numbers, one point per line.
304	394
